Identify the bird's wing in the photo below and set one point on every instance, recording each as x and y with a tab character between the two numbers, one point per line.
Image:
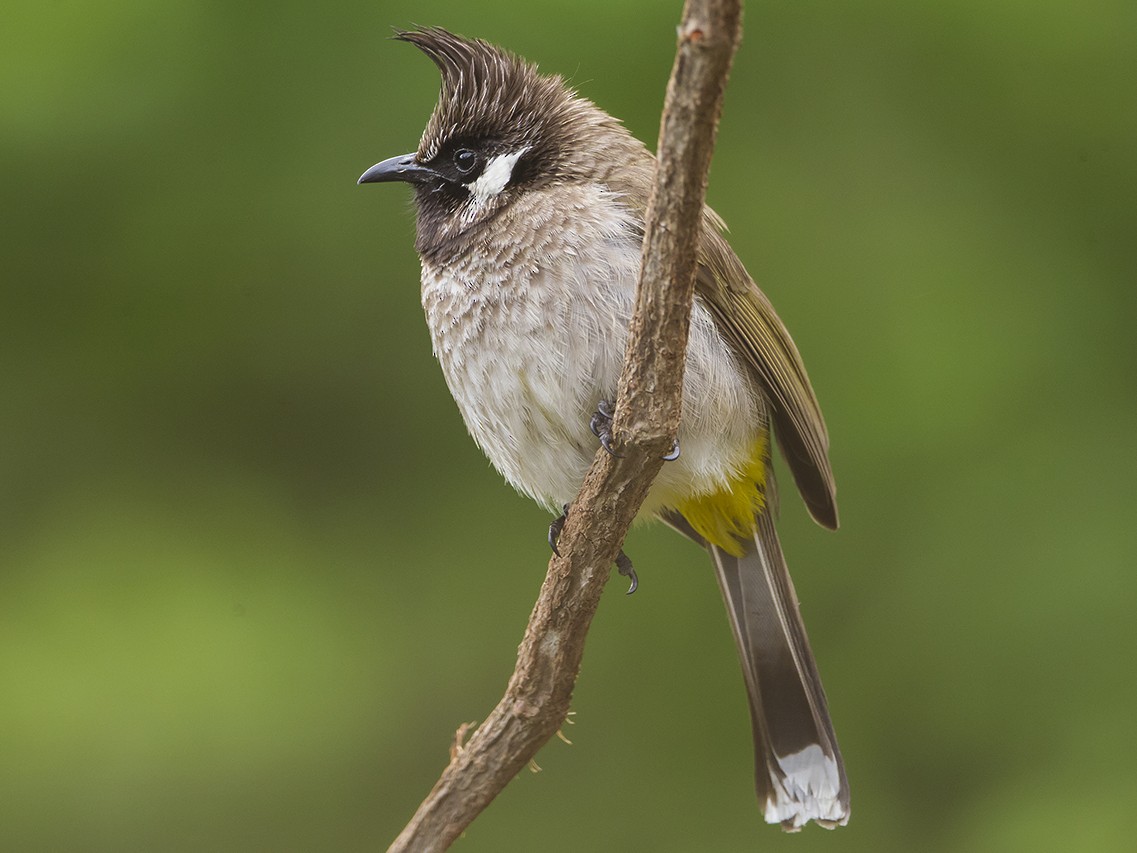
748	321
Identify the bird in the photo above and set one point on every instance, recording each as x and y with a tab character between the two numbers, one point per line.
530	203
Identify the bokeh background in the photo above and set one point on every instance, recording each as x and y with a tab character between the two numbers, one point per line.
253	573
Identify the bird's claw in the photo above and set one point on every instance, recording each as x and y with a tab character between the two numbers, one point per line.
601	425
672	454
623	561
624	567
555	529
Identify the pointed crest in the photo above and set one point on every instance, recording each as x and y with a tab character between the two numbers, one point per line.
489	93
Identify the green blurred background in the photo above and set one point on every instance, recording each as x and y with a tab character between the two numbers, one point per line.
253	573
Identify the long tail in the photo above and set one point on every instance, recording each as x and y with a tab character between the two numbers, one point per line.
798	769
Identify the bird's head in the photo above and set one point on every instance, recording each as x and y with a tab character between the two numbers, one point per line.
499	129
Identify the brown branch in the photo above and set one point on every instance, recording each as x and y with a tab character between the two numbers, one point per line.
537	699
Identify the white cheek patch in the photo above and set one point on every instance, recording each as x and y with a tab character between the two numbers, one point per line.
493	179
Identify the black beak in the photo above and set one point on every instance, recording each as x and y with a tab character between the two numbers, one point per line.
401	168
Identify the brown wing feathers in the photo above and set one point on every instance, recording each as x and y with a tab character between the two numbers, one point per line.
749	321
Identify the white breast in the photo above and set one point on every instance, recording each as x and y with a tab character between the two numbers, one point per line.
530	333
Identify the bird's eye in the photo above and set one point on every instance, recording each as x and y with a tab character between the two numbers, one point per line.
465	160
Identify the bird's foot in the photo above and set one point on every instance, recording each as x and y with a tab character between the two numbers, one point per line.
556	527
624	567
623	561
601	425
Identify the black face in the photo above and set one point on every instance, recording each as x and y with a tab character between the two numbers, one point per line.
447	177
450	193
460	163
457	167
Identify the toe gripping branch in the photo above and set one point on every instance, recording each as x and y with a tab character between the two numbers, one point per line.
623	561
601	425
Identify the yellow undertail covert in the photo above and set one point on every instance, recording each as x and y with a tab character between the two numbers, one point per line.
726	518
